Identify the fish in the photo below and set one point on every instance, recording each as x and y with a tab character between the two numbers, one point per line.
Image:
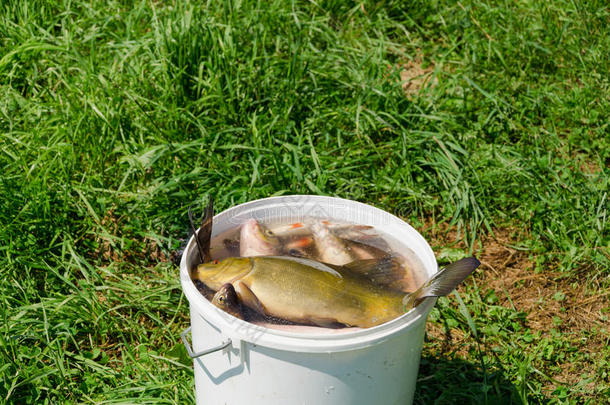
309	292
226	299
319	242
256	240
364	234
361	251
389	271
302	246
331	249
337	250
330	242
360	293
404	269
302	228
291	230
304	291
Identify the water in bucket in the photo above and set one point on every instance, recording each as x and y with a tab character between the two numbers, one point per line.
338	243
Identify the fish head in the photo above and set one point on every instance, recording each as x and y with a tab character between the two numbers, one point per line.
331	249
256	240
216	273
300	247
226	297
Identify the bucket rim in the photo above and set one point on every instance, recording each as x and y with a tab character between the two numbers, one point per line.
240	330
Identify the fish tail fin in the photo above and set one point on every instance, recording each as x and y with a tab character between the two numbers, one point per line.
203	236
443	282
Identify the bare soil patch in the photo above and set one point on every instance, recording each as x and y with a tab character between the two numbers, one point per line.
414	76
567	303
147	251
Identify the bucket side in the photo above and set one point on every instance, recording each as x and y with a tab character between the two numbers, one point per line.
385	373
262	366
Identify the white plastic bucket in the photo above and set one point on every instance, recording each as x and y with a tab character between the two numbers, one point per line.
237	362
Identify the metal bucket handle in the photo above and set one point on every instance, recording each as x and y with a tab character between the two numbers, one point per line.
204	352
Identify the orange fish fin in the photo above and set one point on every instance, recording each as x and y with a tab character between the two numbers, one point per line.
301	242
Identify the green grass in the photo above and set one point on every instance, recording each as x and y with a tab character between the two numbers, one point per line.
117	115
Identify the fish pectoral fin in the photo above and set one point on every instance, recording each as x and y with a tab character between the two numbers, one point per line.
247	297
325	322
386	271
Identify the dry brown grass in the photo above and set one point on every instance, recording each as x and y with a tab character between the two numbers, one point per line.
550	299
148	252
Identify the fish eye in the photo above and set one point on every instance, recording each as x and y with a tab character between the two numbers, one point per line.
221	298
268	232
295	253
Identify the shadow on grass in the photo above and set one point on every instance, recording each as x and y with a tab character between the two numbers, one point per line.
455	381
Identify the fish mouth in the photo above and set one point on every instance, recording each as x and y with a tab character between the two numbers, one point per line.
254	237
230	270
253	228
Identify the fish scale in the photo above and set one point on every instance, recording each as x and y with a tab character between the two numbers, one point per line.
305	291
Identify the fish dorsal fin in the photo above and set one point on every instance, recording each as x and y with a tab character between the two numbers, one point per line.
386	271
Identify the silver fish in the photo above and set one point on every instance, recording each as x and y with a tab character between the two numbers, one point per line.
256	240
